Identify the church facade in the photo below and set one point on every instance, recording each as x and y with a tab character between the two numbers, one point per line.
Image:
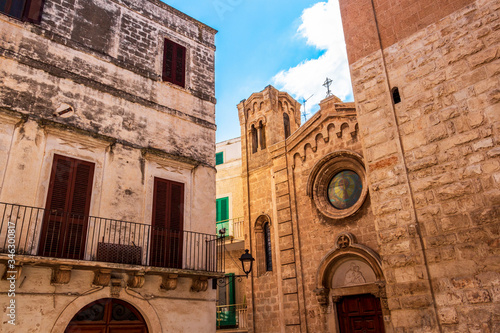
382	215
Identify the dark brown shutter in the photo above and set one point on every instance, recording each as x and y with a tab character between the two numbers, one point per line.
167	224
174	63
68	203
33	11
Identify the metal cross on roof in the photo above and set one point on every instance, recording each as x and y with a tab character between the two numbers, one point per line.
327	84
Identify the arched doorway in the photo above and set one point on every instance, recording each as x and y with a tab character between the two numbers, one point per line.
108	315
351	286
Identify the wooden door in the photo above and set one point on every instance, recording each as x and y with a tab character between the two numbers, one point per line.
66	211
168	223
360	314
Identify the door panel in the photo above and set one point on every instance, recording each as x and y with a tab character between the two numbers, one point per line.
360	314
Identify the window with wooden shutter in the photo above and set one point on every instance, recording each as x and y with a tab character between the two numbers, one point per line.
26	10
219	158
168	224
174	63
68	203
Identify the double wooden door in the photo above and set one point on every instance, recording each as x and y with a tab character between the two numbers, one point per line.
360	314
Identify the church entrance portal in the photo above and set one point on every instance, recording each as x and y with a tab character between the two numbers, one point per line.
360	314
108	315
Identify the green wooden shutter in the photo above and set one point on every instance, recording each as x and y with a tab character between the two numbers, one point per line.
219	158
222	206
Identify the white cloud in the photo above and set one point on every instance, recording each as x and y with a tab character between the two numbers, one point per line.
322	28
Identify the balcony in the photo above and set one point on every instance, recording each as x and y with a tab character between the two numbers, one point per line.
232	318
88	241
235	230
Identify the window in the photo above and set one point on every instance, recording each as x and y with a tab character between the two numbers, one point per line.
222	214
226	316
345	189
68	203
174	63
262	135
286	122
267	246
25	10
219	158
168	223
255	139
396	98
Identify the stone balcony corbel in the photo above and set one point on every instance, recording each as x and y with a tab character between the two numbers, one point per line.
61	274
102	277
136	280
199	284
169	281
12	272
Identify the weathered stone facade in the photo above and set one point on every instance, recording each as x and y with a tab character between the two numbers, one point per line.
425	237
86	83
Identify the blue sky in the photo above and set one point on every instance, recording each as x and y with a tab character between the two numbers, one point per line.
293	45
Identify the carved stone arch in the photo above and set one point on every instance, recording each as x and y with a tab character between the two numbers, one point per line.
259	223
343	127
143	306
280	106
331	131
261	106
319	137
348	253
297	159
255	107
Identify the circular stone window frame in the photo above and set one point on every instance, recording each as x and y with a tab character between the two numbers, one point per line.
321	176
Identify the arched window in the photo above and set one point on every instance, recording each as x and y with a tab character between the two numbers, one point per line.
255	140
262	135
263	251
267	247
286	122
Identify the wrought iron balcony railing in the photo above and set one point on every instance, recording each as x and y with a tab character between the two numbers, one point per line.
39	232
234	228
234	316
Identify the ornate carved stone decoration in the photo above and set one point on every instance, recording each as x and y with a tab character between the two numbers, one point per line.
199	284
169	282
336	299
136	280
61	274
345	240
102	277
322	296
116	287
12	272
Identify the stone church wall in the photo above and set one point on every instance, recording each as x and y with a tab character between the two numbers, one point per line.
432	162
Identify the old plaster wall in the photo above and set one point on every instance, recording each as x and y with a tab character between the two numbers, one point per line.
432	163
45	307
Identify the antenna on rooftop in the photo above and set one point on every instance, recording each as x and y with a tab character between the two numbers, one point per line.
304	114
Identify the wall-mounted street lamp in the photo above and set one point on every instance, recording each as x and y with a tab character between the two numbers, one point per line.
247	262
247	265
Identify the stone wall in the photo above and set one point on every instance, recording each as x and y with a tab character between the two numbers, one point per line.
432	165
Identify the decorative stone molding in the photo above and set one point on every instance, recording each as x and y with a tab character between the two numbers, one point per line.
102	277
345	240
116	287
200	284
10	273
323	172
61	274
169	281
336	299
322	296
136	280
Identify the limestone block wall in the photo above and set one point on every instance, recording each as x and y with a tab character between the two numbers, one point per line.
432	164
316	234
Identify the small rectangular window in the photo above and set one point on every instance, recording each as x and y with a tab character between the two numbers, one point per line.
25	10
219	158
174	63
